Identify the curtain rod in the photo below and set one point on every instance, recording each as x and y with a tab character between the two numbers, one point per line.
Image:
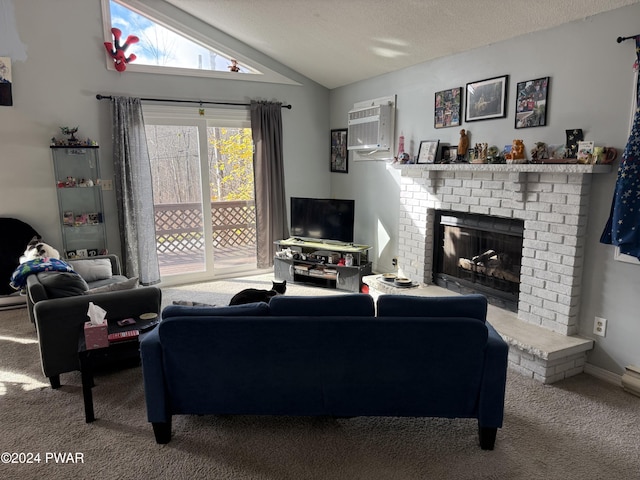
197	102
622	39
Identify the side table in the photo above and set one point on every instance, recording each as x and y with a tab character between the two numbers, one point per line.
116	352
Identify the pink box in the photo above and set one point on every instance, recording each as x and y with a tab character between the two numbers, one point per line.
96	336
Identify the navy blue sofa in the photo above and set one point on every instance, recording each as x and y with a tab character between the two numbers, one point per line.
328	356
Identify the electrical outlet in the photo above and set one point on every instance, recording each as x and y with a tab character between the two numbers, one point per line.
394	262
600	326
106	184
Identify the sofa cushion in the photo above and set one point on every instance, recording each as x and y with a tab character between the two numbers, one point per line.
259	309
349	305
467	306
115	286
62	284
92	269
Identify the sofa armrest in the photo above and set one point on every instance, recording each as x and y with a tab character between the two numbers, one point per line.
59	322
494	379
153	378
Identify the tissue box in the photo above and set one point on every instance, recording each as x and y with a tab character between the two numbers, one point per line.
96	336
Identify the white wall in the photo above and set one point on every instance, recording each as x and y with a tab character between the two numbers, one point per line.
591	88
55	84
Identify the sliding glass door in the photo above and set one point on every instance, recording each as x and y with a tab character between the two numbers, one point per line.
203	194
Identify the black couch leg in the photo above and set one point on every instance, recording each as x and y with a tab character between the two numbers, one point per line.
162	431
55	381
487	437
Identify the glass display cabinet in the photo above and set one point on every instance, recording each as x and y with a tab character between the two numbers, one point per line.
77	173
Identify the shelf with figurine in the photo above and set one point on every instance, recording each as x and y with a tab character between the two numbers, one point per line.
69	219
71	182
72	141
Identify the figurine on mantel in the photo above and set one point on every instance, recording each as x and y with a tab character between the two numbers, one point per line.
463	145
480	153
493	155
539	152
517	154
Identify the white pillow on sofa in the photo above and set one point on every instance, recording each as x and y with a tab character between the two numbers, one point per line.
92	269
113	287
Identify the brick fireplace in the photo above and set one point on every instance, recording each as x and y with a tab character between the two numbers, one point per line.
552	201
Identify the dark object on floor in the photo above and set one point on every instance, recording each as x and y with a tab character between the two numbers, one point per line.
16	234
253	295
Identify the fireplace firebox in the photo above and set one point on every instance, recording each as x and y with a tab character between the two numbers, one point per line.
479	254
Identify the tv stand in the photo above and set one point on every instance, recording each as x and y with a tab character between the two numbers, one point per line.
318	262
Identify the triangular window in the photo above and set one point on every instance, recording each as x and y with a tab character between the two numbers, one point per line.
167	47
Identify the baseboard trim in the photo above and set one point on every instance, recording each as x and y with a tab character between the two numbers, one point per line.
603	374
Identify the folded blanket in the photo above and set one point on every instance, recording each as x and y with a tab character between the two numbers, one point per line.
19	276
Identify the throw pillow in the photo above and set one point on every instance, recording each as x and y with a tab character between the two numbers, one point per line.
92	269
62	284
259	309
114	287
189	303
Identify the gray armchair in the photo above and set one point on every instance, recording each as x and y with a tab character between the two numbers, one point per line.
59	321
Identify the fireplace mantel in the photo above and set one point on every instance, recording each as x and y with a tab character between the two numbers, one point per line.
509	168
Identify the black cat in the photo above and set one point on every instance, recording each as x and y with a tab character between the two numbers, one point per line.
251	295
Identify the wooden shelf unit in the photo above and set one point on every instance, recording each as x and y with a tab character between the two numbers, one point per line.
316	262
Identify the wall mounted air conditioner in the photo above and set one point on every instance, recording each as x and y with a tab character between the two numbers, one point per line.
370	128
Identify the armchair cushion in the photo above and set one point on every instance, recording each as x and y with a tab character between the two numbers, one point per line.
114	287
62	284
92	269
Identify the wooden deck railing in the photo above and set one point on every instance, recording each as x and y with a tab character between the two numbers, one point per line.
179	226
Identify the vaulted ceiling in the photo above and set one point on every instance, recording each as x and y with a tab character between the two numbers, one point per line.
338	42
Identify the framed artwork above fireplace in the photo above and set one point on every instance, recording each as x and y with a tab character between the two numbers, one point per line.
486	99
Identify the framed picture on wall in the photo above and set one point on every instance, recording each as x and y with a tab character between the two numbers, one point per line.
339	154
447	108
531	103
6	95
486	99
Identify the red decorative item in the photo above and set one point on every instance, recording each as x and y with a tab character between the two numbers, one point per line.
117	51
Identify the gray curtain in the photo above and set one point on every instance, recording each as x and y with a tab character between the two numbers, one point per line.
268	170
134	192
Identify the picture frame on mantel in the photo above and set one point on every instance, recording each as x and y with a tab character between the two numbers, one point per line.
428	151
448	154
339	153
486	99
531	103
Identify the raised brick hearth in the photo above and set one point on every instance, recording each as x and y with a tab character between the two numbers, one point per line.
552	200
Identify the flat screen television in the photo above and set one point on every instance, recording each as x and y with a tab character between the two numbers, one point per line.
322	219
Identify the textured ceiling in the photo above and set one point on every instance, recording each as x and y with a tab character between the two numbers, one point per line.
338	42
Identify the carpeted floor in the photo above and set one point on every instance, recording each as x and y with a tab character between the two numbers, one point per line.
580	428
220	292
